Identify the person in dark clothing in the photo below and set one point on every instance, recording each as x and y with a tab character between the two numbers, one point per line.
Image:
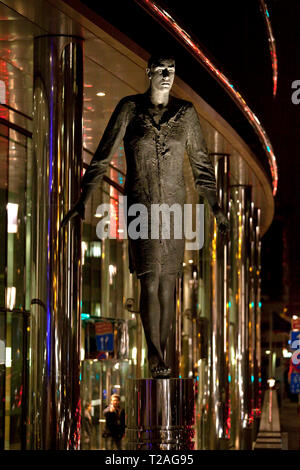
157	129
115	423
87	426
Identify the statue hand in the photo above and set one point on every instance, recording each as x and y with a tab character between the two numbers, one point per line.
78	209
222	221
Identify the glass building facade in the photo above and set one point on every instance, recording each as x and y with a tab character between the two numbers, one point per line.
215	337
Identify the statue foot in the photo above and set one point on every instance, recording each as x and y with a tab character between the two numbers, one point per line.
160	371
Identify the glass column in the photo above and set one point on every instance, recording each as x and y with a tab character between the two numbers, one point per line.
257	351
54	388
241	358
220	404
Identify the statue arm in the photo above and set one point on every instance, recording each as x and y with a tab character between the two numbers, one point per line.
111	139
203	170
202	167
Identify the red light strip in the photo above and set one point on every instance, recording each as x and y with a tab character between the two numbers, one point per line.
272	44
185	39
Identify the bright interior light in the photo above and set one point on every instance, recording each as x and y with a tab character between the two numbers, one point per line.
100	93
12	217
233	357
134	353
295	317
268	352
97	309
84	248
143	356
286	353
271	382
112	272
7	357
95	250
82	354
10	297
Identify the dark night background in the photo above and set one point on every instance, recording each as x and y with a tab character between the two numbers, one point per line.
234	36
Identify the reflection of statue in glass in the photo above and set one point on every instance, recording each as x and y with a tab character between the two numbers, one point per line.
156	129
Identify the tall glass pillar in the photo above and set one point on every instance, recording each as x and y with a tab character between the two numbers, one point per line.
241	359
220	404
54	388
257	346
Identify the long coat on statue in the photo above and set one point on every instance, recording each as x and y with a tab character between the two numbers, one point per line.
154	156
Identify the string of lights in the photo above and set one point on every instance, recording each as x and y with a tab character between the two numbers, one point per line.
272	44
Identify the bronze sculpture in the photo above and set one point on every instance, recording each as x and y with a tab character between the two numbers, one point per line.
156	129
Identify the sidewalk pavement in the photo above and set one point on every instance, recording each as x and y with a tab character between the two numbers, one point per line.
290	423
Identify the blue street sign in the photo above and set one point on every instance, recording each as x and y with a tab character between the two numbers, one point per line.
295	382
295	336
105	342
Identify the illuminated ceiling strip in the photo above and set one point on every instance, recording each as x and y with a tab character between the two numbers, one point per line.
167	21
272	44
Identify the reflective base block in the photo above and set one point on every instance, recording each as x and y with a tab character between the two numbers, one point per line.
160	414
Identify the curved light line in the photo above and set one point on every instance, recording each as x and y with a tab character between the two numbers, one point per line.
169	23
272	44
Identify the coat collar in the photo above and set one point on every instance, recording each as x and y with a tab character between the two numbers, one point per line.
172	113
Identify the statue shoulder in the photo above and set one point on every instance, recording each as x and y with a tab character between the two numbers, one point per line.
130	101
182	107
191	112
180	103
127	106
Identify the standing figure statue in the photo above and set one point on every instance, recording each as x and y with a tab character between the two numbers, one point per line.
157	129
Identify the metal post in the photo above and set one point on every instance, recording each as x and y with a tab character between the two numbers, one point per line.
54	387
241	200
270	344
256	322
220	319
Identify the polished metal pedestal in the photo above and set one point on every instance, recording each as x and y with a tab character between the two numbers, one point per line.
160	414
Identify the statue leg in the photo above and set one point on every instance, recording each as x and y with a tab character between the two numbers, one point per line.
150	315
166	294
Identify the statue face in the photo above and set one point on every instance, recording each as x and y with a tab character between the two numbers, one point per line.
162	75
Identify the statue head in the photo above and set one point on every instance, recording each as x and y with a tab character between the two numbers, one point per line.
161	71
